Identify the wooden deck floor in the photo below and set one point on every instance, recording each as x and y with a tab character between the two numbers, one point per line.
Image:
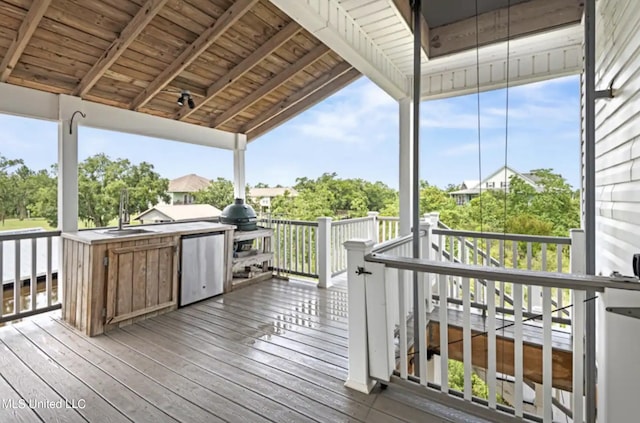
275	352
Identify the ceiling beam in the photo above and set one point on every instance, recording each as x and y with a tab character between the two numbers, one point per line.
303	105
271	85
404	8
191	53
243	67
296	97
520	19
23	35
119	45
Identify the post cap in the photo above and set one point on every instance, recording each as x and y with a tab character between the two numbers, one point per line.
364	245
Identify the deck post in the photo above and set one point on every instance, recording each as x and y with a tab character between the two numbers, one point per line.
374	233
324	252
68	162
358	377
239	179
406	165
67	175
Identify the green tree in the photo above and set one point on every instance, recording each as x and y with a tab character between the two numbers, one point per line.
45	203
101	180
8	190
219	193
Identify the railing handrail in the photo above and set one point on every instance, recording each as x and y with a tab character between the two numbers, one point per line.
516	276
348	221
505	237
291	222
29	235
385	246
388	218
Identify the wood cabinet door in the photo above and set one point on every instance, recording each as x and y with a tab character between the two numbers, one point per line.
141	278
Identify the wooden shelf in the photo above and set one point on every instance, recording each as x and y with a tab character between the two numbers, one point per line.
246	235
241	262
259	263
263	276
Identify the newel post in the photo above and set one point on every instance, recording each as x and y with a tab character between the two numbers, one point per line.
579	331
374	232
324	252
358	377
578	258
426	252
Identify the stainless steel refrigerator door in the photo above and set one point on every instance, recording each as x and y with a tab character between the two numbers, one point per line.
202	267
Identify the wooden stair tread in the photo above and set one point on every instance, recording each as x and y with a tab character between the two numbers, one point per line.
531	334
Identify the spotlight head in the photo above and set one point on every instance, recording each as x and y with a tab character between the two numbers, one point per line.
191	103
184	96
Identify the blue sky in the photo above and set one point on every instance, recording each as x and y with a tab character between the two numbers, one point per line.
355	134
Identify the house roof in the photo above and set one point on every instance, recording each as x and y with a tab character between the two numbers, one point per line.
475	188
183	212
470	183
189	183
272	192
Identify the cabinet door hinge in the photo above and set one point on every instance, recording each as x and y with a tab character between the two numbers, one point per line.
105	261
104	312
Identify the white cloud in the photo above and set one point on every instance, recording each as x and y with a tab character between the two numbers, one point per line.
470	148
362	113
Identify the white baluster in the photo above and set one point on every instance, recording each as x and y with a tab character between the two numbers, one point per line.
547	357
466	330
491	342
17	281
33	287
402	288
444	338
518	349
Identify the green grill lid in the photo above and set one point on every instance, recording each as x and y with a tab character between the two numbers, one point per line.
239	214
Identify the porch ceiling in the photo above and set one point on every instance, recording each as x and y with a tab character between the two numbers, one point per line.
247	65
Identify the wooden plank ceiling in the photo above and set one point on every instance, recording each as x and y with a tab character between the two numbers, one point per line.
248	66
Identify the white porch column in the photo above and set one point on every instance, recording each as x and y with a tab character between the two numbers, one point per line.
323	252
239	181
358	378
405	164
68	162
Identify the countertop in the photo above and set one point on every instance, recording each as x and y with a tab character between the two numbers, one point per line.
100	236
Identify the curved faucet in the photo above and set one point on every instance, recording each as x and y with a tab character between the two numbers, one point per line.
123	213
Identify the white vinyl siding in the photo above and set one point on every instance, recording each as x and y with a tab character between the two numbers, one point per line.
618	136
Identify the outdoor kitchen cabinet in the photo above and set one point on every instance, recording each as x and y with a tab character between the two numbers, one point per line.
110	282
239	275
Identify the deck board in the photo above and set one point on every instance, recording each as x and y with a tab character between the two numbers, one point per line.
275	351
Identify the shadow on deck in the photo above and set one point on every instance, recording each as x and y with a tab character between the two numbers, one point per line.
276	352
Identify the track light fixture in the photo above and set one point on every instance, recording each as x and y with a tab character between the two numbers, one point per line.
185	97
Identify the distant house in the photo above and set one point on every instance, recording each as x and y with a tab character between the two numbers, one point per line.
173	213
181	190
263	196
496	181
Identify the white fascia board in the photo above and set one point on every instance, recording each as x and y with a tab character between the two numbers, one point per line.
534	58
35	104
132	122
27	102
328	21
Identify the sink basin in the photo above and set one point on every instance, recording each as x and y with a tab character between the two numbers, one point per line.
126	231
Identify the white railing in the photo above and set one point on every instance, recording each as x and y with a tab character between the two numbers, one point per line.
515	352
343	230
28	266
294	247
529	252
388	228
